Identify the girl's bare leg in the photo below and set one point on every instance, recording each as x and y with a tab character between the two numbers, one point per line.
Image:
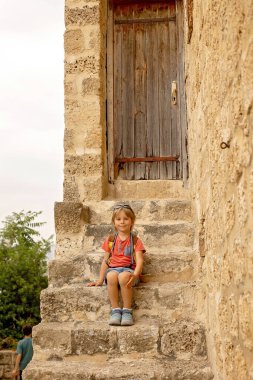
126	293
113	290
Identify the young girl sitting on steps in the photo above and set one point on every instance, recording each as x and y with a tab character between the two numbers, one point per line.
122	265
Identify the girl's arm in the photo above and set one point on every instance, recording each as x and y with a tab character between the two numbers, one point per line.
102	272
138	268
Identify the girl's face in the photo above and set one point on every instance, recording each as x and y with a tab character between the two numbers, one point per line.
122	222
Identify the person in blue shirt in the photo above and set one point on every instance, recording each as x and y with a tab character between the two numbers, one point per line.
24	352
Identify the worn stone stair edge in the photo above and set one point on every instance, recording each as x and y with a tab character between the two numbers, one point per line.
146	224
157	266
152	286
180	254
184	338
81	261
118	369
161	210
78	302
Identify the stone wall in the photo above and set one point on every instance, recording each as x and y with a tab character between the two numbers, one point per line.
7	363
219	87
85	107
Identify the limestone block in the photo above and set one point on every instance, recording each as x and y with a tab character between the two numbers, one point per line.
226	271
243	212
93	188
239	261
88	64
230	214
85	116
93	40
118	369
139	339
74	41
85	165
77	302
92	138
54	339
86	266
68	244
228	316
62	271
234	361
70	190
78	142
251	189
82	16
68	140
246	320
90	340
71	105
180	235
182	338
70	217
7	357
148	190
217	350
241	369
152	210
91	86
70	88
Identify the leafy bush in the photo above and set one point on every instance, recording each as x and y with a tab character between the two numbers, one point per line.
22	272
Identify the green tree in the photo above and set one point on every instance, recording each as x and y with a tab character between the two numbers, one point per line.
22	272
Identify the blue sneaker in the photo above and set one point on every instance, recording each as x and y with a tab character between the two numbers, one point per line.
115	319
127	317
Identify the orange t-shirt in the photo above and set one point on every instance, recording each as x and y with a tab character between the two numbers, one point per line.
121	255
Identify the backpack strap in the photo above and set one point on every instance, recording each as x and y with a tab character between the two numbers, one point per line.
111	244
134	239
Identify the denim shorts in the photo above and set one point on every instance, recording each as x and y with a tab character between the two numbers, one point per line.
119	270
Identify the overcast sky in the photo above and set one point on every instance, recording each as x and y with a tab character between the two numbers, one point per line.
31	107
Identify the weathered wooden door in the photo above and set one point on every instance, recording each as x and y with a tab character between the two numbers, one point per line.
145	137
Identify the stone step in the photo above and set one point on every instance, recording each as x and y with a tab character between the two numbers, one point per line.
78	302
162	235
180	340
162	267
148	189
146	210
97	367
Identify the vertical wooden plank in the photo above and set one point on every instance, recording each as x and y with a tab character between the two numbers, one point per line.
175	124
140	99
164	54
118	136
153	132
181	93
128	97
109	89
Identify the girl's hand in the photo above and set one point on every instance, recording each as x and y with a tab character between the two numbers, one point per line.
95	283
131	280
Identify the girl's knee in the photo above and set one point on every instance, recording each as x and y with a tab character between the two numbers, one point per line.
112	278
124	277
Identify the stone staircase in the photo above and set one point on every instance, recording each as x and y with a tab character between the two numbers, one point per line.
167	342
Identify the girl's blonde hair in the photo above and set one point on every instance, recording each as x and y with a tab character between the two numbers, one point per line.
127	210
